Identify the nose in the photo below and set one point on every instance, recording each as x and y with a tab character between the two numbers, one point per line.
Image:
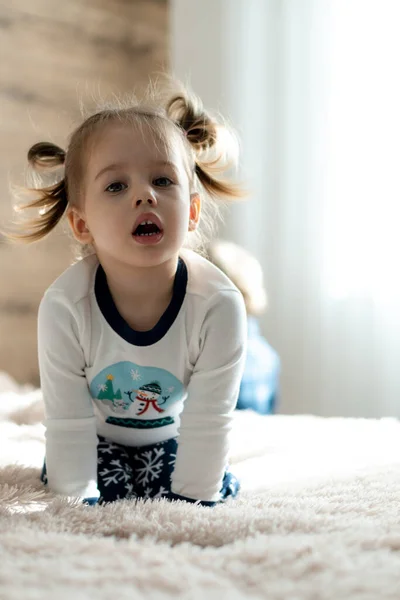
139	201
145	198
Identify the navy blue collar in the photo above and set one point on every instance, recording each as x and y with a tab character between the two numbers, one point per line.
120	326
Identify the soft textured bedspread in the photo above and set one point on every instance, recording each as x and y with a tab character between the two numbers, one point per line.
318	517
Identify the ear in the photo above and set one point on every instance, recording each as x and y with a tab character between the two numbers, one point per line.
79	227
194	214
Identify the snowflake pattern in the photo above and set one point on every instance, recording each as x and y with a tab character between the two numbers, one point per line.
152	465
149	493
171	389
130	494
107	447
102	387
116	474
129	491
173	459
147	477
136	376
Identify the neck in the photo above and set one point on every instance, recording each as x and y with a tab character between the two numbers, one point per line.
141	294
141	282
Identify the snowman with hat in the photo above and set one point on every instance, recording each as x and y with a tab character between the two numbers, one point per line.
147	400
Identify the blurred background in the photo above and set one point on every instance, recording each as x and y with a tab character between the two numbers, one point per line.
313	89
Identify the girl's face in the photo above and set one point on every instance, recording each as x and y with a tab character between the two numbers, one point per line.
137	206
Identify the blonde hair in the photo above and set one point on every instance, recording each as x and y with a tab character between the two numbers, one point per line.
244	270
209	146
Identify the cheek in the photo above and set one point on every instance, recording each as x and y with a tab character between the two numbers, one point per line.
101	216
177	208
183	217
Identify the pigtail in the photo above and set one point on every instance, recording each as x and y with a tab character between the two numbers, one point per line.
199	128
214	146
216	186
51	200
45	155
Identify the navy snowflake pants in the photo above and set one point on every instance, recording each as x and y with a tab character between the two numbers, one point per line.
141	471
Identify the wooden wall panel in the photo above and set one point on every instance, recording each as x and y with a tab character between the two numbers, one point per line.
53	57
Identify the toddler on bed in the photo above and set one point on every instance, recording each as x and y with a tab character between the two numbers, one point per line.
142	342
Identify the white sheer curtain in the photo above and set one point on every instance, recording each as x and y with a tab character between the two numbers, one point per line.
314	89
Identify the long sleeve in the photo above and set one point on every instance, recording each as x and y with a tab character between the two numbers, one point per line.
203	445
71	440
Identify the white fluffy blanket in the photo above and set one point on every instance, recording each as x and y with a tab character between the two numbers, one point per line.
318	518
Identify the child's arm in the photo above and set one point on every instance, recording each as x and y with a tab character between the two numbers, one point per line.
71	440
202	454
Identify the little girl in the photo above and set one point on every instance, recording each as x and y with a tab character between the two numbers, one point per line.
141	343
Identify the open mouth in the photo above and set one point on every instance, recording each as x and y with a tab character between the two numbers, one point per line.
146	228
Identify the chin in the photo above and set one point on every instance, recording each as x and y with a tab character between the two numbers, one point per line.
154	258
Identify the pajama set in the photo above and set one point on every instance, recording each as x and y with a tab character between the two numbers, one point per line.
133	414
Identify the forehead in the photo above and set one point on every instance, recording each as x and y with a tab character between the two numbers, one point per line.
136	144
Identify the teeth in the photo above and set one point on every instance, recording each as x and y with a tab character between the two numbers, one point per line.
147	223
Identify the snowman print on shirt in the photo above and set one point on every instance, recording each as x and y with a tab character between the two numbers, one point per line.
129	395
148	399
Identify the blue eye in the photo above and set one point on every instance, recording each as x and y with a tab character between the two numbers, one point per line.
162	182
116	187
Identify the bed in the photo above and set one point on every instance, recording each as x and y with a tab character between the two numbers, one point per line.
318	517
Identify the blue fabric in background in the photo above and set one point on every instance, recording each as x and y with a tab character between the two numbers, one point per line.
259	389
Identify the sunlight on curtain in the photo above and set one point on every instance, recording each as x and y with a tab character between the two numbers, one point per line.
362	219
335	314
360	209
